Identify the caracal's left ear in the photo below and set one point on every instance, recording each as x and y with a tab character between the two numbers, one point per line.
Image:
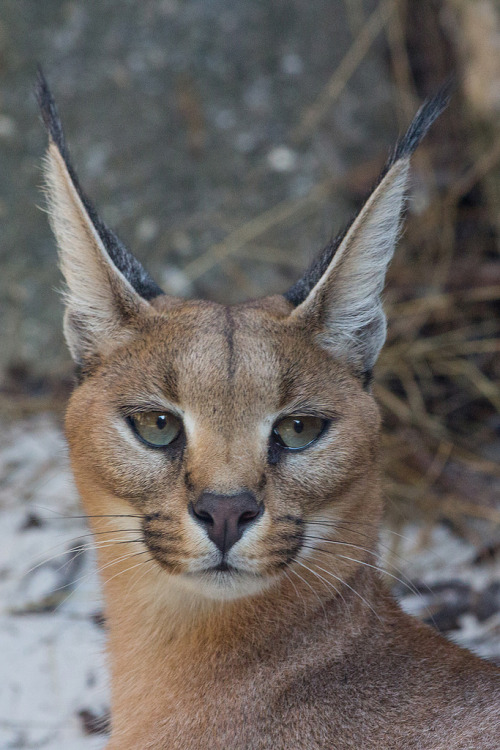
107	288
339	298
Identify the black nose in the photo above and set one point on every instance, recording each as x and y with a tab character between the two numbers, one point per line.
226	517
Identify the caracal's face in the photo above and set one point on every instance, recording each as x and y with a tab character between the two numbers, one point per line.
251	408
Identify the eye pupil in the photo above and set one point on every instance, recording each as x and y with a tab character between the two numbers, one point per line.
155	428
296	432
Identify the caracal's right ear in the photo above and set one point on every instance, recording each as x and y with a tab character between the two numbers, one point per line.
107	288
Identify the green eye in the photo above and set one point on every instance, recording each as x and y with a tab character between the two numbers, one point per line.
156	428
297	432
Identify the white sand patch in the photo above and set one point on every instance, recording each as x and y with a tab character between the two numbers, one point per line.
52	664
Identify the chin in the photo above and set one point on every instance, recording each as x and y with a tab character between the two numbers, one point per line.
225	585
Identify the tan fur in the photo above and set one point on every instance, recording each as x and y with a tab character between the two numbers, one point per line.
306	649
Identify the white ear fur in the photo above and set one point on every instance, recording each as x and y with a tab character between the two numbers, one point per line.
345	306
99	299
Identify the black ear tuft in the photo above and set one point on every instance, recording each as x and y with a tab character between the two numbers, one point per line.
426	115
50	117
121	257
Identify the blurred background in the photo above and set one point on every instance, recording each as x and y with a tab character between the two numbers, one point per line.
226	143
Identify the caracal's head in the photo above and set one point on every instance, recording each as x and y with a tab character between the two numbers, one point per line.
229	441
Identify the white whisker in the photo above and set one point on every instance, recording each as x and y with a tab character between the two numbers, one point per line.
344	583
292	570
299	596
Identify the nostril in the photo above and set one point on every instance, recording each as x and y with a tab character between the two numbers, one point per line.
201	515
204	516
248	516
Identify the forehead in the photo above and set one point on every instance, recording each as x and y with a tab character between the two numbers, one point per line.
239	360
226	354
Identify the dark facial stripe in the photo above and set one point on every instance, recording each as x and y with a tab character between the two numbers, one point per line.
229	334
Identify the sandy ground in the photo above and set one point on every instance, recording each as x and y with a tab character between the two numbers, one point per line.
53	676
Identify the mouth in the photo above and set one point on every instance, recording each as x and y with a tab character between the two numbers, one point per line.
225	581
229	571
222	567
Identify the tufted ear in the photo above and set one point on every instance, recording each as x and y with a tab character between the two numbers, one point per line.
339	298
107	288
